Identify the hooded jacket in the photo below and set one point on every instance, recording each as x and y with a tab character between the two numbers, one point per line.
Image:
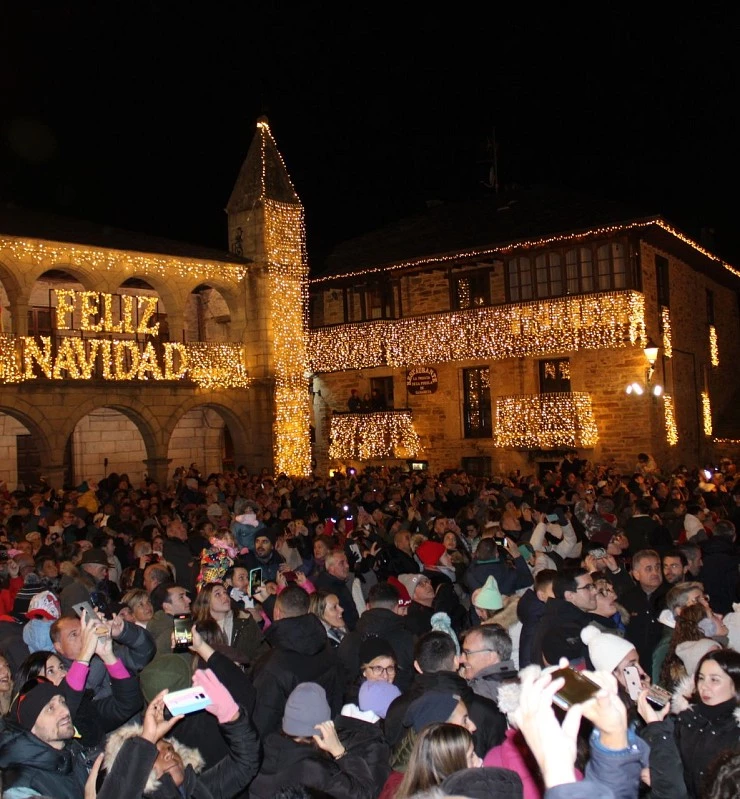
387	625
290	763
129	760
299	653
507	578
489	720
27	762
559	633
245	528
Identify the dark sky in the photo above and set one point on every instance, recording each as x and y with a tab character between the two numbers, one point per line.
139	114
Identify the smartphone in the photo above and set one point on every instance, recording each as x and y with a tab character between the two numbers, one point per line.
577	689
552	517
598	553
632	679
658	697
188	700
255	580
85	608
183	633
289	576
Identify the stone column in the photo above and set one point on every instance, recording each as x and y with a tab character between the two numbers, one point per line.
158	469
54	475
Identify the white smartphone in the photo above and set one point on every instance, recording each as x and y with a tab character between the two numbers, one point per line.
632	679
188	700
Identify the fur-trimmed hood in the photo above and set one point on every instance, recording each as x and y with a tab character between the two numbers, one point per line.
685	692
506	617
190	757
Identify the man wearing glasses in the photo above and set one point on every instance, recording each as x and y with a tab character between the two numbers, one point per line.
559	632
485	659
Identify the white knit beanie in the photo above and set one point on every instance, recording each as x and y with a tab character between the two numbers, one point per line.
606	651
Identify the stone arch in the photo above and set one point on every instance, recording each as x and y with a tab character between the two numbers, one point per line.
85	277
171	298
10	283
230	296
17	421
231	413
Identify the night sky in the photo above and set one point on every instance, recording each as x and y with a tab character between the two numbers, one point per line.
141	118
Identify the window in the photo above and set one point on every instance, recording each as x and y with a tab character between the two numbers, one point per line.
555	375
477	403
477	467
549	274
40	321
519	279
611	267
375	301
710	307
472	290
381	393
661	277
579	270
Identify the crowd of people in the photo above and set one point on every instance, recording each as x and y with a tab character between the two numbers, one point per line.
376	634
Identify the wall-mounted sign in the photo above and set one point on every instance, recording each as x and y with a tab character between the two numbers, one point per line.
421	380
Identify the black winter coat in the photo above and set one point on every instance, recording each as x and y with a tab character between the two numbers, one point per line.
721	573
289	763
644	629
529	611
559	633
26	761
692	739
489	720
300	652
367	739
387	625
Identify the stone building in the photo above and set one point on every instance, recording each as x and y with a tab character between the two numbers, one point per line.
127	353
492	335
505	331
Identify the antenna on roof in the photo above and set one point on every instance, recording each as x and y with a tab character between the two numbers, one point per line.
492	161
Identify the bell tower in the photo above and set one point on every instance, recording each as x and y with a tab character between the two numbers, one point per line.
266	225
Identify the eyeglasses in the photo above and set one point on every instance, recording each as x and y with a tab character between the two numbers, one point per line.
468	652
589	587
378	671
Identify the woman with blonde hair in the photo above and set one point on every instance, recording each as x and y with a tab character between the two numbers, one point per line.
440	750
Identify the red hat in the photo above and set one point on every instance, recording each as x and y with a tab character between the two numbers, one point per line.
429	552
404	600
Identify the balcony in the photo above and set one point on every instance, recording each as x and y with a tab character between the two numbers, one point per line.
373	435
586	321
545	421
210	365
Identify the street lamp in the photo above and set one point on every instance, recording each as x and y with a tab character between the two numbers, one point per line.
651	353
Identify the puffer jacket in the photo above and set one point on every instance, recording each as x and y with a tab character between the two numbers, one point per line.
129	760
299	653
28	763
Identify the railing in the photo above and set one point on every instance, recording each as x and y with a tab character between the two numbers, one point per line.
545	421
371	435
586	321
211	365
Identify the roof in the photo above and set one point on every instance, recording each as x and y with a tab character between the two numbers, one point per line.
263	175
36	225
523	216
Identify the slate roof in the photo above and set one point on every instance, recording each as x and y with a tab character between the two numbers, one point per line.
33	224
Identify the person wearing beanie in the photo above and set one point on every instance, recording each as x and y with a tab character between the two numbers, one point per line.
385	620
309	752
377	696
38	752
439	570
264	555
493	559
91	583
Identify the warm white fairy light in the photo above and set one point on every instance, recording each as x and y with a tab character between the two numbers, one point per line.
706	412
665	318
97	259
671	431
713	346
545	421
367	436
590	321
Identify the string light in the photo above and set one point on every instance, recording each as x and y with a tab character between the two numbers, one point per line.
592	321
726	440
713	346
671	431
209	365
287	271
365	436
45	253
545	421
665	317
706	410
543	241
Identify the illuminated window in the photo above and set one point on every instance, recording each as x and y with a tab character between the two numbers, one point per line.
555	375
472	290
477	403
